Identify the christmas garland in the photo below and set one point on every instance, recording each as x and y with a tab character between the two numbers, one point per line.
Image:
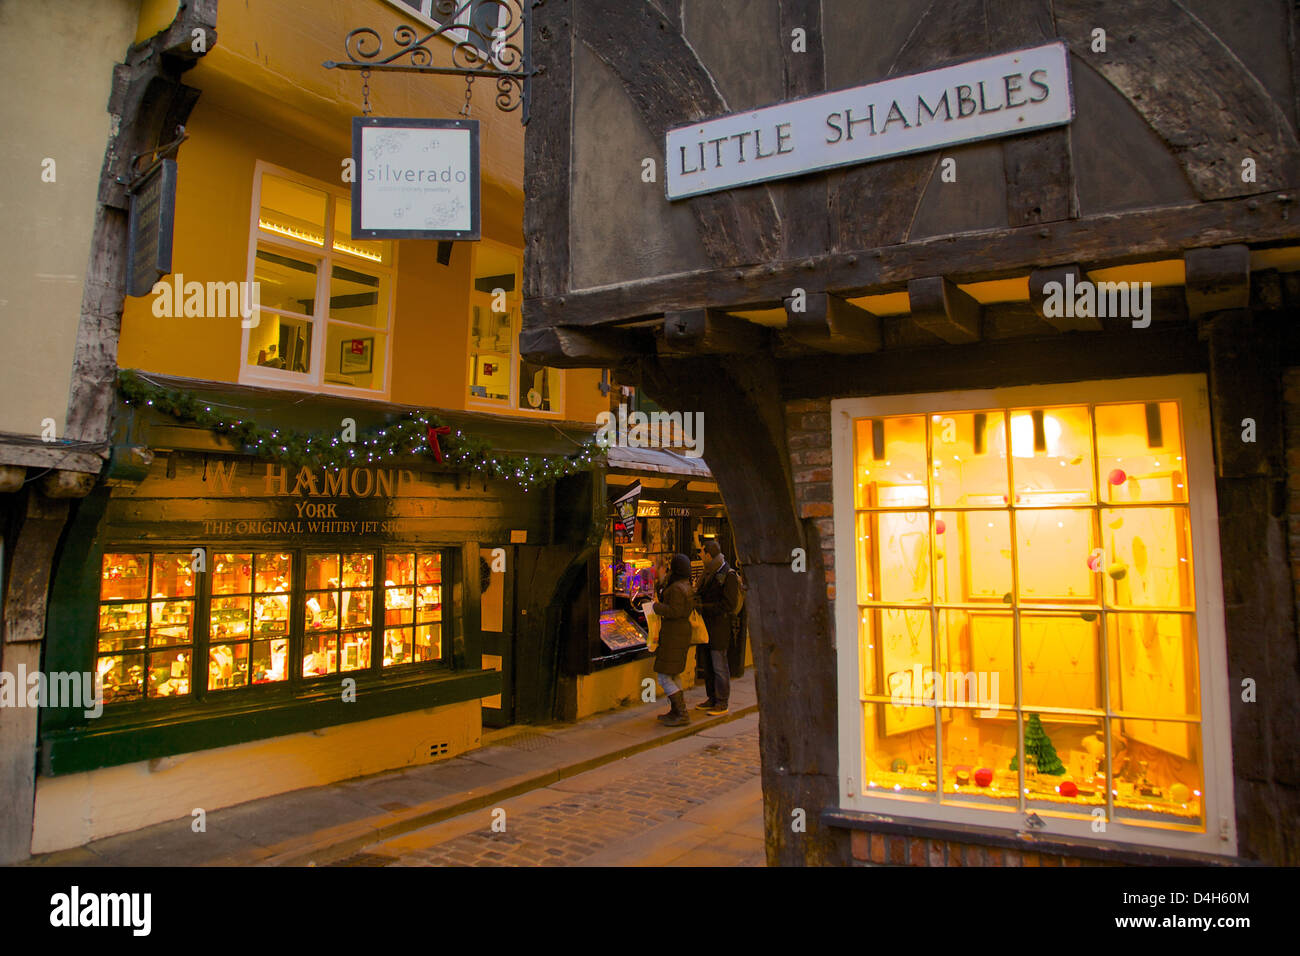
415	433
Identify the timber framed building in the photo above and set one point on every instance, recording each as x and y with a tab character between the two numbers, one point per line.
1048	611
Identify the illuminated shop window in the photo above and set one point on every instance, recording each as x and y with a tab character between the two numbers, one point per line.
412	608
338	603
249	616
324	308
146	625
248	629
1027	613
498	375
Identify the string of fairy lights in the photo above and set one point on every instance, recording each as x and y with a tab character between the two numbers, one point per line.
411	435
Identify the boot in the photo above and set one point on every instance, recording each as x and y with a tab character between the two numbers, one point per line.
707	704
677	717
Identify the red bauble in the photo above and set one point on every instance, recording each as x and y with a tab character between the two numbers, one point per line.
1117	477
983	777
939	526
1068	789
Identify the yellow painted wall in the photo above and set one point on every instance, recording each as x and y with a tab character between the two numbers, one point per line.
59	57
74	809
155	16
265	96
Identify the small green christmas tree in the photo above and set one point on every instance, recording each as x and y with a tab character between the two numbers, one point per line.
1040	746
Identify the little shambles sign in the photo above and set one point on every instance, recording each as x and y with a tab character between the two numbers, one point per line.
997	96
415	178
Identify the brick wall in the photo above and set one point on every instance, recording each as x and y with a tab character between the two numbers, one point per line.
808	434
886	849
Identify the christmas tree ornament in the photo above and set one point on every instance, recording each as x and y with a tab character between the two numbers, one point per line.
1117	570
939	526
1117	476
983	777
1180	793
1039	752
1068	789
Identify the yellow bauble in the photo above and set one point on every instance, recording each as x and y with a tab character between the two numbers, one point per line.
1117	570
1179	793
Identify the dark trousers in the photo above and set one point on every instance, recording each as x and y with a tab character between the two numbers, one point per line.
717	673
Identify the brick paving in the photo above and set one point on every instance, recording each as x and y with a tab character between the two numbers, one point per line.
577	826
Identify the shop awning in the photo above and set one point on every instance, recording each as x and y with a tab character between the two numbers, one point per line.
659	460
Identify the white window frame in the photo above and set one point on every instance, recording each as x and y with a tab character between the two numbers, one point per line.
424	16
324	256
515	303
1190	392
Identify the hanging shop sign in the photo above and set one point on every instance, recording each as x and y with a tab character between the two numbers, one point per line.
996	96
415	178
152	216
625	511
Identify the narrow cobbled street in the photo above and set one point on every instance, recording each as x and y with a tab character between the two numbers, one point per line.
696	802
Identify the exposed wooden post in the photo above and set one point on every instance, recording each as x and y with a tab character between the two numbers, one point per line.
710	331
1217	279
832	324
940	307
794	659
148	103
1068	279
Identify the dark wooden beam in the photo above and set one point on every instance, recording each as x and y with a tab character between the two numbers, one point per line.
706	331
1039	168
805	225
1068	278
938	306
1166	350
1244	378
1217	279
547	147
583	348
829	323
1102	240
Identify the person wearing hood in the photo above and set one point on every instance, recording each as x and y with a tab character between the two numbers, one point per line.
675	607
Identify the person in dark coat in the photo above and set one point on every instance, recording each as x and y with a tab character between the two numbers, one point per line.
674	607
719	593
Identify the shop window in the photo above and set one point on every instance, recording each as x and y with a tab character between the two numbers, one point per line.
1032	619
146	625
248	619
252	613
498	376
412	607
324	308
338	603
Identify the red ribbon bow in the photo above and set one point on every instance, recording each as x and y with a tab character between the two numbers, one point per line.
433	439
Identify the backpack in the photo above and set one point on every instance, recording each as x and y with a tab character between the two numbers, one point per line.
740	592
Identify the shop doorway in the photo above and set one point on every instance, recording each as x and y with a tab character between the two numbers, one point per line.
497	625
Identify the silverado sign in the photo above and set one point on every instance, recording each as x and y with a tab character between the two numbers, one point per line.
997	96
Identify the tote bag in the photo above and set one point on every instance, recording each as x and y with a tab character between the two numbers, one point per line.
699	633
652	622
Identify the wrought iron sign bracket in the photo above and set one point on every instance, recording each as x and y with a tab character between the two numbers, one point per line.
501	54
